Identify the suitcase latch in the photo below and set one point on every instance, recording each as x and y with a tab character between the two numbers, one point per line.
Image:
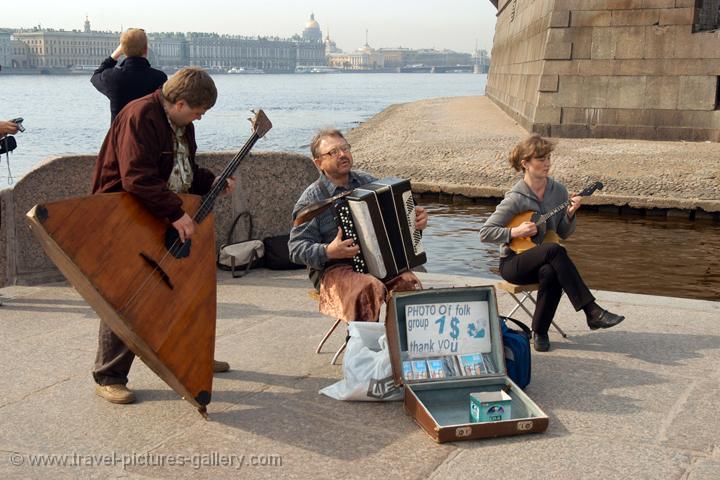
525	426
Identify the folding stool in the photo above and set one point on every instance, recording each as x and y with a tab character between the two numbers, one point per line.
316	296
527	291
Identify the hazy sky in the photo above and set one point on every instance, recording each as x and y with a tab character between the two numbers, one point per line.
453	24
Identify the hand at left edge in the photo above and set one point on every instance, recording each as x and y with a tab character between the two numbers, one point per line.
421	218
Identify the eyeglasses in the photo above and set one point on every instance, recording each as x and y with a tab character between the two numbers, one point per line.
335	152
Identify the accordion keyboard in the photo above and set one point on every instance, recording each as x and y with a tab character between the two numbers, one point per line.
345	221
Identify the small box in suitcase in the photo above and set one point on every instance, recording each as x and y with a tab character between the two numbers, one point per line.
446	345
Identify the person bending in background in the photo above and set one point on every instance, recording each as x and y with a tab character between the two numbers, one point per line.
547	264
133	78
318	243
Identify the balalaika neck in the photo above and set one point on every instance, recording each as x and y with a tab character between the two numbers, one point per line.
209	199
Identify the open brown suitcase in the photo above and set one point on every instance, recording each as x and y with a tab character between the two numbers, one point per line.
441	405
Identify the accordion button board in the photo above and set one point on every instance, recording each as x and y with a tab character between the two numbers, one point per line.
344	220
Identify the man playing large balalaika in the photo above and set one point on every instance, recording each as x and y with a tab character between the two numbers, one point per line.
150	153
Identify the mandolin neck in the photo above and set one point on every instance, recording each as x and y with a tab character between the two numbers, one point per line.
585	193
548	215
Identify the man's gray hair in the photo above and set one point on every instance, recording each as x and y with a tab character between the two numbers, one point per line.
325	132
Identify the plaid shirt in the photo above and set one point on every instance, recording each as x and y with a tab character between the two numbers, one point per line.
307	241
181	178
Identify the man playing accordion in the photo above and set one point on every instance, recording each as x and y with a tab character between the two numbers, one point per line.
318	243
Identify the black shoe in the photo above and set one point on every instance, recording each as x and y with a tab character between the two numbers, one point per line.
604	319
541	342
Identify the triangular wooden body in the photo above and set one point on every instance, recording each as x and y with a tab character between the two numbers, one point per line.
97	241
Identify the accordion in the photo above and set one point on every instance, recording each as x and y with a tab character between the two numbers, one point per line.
380	218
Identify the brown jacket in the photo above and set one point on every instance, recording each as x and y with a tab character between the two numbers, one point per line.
137	157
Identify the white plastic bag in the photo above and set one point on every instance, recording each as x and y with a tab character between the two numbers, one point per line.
366	367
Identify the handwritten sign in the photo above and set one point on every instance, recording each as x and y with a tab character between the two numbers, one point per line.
437	329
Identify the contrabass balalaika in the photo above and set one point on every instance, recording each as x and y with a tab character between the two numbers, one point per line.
155	293
380	218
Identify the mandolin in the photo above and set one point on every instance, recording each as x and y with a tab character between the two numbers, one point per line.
522	244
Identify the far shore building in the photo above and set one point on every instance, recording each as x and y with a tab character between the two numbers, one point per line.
618	69
48	50
365	58
310	46
167	49
6	52
312	32
395	57
20	54
222	52
330	45
309	52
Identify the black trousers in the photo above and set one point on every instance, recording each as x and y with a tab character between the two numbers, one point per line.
550	266
113	360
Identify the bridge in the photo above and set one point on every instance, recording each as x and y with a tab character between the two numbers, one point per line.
453	69
437	69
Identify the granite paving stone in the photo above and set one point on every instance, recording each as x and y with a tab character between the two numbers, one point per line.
635	401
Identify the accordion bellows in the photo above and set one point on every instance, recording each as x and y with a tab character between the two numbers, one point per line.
380	217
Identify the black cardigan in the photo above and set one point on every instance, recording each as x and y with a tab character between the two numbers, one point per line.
133	78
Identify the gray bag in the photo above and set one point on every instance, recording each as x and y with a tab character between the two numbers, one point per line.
240	256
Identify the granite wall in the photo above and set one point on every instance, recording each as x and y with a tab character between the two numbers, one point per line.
607	68
268	186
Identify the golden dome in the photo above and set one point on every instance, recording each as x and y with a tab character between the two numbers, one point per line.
312	24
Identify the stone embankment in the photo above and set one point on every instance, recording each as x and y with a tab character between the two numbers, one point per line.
267	186
459	146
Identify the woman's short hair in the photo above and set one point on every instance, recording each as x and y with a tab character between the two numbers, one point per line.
530	147
193	85
326	132
134	42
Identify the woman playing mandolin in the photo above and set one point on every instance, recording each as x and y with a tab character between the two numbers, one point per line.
546	263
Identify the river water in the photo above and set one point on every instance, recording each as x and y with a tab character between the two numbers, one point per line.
650	255
65	115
